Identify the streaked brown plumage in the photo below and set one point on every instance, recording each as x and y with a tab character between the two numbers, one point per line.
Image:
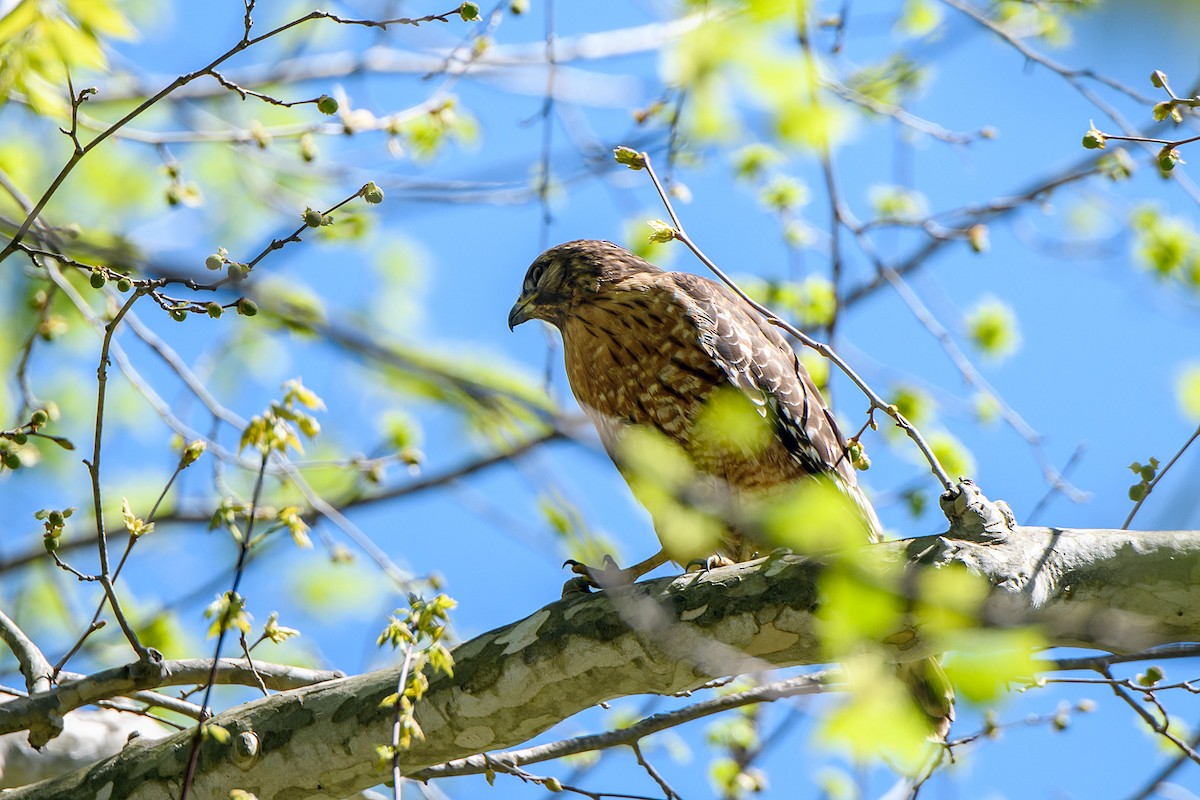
649	348
645	348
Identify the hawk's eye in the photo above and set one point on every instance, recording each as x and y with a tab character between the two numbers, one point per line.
535	275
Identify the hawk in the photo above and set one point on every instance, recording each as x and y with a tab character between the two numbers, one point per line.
651	350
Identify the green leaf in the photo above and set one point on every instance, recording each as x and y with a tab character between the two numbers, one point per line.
660	232
984	662
1188	391
730	423
635	240
891	81
860	606
919	18
165	633
211	730
136	527
751	161
469	12
629	157
878	718
812	301
898	203
913	402
1167	246
955	457
660	474
815	516
992	328
950	601
329	593
784	194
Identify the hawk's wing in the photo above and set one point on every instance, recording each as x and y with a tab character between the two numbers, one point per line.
760	362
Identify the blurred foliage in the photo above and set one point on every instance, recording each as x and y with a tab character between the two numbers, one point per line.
878	719
898	203
811	302
575	537
1189	391
813	517
993	329
40	43
914	403
956	459
1169	247
661	477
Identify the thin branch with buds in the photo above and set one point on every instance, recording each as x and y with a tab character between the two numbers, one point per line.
247	41
1158	476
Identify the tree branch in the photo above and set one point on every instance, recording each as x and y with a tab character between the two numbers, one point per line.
34	666
29	712
1085	587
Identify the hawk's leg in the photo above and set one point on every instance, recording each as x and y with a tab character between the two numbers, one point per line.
609	574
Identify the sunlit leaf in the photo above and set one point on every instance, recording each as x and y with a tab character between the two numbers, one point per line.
860	605
1188	391
985	662
956	459
878	718
814	516
919	17
992	328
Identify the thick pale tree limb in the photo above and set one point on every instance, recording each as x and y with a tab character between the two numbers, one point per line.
1114	590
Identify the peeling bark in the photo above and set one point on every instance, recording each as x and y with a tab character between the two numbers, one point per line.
1113	590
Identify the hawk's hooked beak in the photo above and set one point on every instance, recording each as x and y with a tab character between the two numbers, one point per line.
519	312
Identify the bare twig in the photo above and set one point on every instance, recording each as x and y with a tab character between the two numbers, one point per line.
968	370
223	624
669	792
105	576
1103	662
812	683
1071	75
1150	789
96	623
1161	728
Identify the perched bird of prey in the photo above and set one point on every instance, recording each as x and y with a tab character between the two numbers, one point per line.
652	350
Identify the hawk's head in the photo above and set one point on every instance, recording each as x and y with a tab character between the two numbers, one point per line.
564	276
